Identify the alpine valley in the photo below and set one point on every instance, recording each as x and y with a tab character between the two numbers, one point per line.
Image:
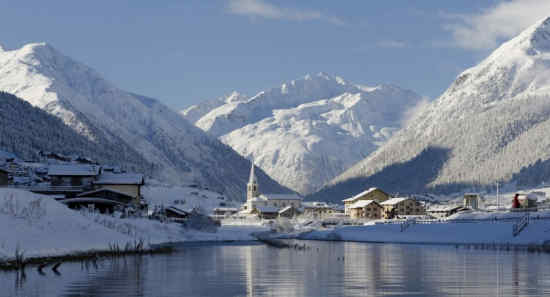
491	125
307	131
151	136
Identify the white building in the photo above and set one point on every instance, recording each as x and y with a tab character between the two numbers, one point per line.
255	201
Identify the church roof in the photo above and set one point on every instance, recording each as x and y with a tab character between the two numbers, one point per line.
252	179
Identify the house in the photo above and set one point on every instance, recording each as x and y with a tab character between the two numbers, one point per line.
129	183
527	201
289	212
401	207
366	209
3	177
175	214
371	194
73	175
256	200
266	212
224	211
320	209
105	200
472	200
442	211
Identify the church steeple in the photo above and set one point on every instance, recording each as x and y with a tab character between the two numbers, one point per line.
252	186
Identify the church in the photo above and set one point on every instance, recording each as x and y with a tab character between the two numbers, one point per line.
267	205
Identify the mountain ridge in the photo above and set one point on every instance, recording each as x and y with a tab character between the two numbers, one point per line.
306	131
74	92
491	119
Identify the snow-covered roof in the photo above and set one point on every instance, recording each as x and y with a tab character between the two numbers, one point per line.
267	209
90	200
73	170
178	211
394	201
315	205
528	196
226	209
119	179
443	208
361	194
285	209
280	197
362	203
103	190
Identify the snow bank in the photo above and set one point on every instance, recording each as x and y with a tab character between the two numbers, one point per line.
439	233
40	226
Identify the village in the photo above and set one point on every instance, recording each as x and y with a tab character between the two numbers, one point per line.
80	183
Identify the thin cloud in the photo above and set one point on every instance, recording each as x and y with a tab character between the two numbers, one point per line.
391	44
263	9
487	29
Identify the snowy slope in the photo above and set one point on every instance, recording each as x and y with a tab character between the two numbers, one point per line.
307	131
490	125
25	130
180	152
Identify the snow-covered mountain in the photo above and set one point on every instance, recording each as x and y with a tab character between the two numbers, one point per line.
179	152
490	125
307	131
25	130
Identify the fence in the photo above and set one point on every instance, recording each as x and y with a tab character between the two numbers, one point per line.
519	226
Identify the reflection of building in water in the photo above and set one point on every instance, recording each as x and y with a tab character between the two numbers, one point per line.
274	272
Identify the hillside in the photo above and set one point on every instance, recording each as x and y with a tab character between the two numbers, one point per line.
309	130
25	130
490	125
178	151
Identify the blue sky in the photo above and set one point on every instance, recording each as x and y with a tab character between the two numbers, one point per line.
183	52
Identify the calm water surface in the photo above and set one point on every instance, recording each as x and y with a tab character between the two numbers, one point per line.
327	269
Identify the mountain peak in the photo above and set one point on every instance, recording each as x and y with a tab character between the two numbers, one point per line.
532	41
540	38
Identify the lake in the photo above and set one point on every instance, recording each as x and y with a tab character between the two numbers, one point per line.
325	269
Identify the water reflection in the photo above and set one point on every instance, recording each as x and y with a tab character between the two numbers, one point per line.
326	269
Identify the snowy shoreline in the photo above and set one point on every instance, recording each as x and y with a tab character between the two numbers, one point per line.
444	233
35	226
38	227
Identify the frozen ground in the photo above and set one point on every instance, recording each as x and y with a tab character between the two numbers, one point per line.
40	226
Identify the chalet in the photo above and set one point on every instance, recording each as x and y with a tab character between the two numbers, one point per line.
527	201
321	209
289	212
442	211
73	175
402	207
366	209
128	183
472	200
176	214
105	200
266	212
224	211
3	177
371	194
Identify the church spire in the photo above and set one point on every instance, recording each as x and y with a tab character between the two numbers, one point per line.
252	186
252	178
